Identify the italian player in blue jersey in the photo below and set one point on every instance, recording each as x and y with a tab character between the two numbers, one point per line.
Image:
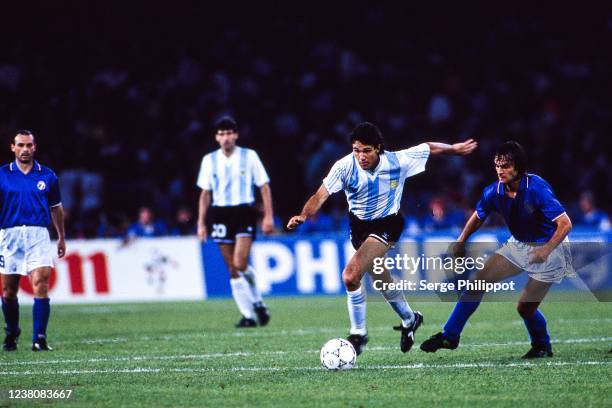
29	200
373	181
539	246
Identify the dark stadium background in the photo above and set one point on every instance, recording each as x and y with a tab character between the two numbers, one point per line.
122	97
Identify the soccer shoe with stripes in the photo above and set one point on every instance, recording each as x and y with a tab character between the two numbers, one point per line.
407	338
358	341
244	322
10	341
438	341
539	351
262	312
41	345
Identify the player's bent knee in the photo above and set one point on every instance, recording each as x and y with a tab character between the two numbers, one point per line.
9	293
351	278
41	289
526	309
9	290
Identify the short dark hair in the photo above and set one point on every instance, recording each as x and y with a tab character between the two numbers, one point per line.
368	134
24	132
513	152
226	123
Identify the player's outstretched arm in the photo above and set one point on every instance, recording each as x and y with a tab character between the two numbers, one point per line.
458	248
311	207
461	149
267	224
564	226
57	215
203	205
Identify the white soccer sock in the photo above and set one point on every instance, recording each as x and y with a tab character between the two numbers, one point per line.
242	296
356	301
398	303
249	275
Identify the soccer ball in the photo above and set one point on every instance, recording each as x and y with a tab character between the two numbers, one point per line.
338	354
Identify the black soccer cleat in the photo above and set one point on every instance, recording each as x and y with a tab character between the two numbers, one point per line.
438	341
41	345
539	351
407	338
10	341
263	314
358	341
244	322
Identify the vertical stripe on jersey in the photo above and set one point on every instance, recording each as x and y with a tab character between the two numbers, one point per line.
352	185
353	181
394	176
242	176
372	197
215	173
227	190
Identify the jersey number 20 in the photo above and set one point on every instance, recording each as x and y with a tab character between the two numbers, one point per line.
218	231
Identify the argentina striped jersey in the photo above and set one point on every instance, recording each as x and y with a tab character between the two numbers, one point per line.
231	179
373	194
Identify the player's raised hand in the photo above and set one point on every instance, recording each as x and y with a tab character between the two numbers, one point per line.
61	248
295	221
202	234
267	225
465	148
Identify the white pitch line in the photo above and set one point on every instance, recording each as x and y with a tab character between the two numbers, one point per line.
298	332
146	370
267	353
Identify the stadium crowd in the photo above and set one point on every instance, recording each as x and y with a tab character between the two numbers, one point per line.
125	111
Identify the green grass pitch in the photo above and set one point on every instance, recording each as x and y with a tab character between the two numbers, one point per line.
189	354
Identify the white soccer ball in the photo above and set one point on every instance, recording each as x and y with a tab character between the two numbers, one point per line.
338	354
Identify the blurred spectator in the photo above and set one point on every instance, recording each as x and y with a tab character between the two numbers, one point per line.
441	217
589	215
411	226
184	223
115	225
146	226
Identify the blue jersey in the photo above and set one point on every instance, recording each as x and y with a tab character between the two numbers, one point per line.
530	215
25	198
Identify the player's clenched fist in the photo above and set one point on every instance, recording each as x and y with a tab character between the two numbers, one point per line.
295	221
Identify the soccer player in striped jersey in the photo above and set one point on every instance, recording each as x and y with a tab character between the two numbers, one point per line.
539	245
373	181
228	175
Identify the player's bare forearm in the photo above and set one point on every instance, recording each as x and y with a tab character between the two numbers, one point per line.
540	254
203	204
461	149
564	226
473	224
267	224
266	197
457	248
57	216
314	203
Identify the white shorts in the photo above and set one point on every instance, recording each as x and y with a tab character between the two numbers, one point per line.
23	249
557	266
